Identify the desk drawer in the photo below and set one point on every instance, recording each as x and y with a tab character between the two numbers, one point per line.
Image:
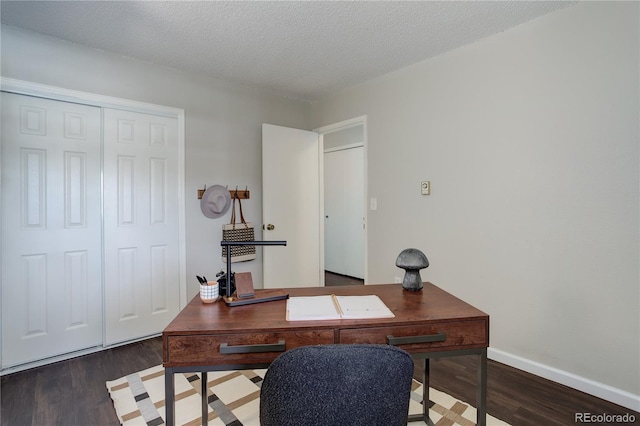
243	348
423	337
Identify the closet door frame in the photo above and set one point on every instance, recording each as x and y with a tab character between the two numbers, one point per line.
60	94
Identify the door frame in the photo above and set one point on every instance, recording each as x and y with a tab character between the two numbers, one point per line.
28	88
330	128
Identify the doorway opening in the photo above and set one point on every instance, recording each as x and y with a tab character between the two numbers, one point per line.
343	202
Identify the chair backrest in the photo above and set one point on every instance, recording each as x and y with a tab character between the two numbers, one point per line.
332	385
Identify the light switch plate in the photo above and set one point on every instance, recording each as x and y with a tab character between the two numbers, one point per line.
425	187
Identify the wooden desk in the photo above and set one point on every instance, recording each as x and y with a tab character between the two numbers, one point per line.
427	324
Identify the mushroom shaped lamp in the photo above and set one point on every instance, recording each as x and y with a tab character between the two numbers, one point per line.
412	261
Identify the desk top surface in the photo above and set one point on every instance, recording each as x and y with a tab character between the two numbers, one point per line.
431	304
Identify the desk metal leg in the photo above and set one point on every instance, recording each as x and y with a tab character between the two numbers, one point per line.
424	417
425	391
169	397
482	389
426	401
204	391
481	400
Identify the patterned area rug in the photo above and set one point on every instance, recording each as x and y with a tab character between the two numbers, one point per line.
235	400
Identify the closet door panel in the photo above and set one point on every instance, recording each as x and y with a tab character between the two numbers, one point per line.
141	224
51	228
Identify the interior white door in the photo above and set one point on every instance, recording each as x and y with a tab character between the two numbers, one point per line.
51	228
291	204
344	212
334	256
141	224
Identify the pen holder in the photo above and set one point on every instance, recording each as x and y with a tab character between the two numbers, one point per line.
209	292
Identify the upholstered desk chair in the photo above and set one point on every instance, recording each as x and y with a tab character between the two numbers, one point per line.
333	385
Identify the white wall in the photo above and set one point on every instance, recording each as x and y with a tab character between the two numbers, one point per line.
530	141
223	126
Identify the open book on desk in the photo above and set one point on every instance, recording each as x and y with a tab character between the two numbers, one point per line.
329	307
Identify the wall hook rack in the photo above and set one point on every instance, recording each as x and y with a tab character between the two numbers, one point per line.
243	194
201	192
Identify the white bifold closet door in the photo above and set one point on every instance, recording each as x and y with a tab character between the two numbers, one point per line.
51	228
90	227
140	224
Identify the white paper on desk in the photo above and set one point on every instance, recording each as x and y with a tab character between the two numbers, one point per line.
328	307
311	308
355	307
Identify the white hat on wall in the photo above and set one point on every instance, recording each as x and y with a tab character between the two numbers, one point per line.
215	201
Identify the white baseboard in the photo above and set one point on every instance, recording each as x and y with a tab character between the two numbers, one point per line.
69	355
606	392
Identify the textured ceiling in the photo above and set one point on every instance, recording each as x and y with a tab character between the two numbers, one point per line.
298	49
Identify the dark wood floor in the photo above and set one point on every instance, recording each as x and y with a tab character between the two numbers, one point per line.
517	397
331	280
73	392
